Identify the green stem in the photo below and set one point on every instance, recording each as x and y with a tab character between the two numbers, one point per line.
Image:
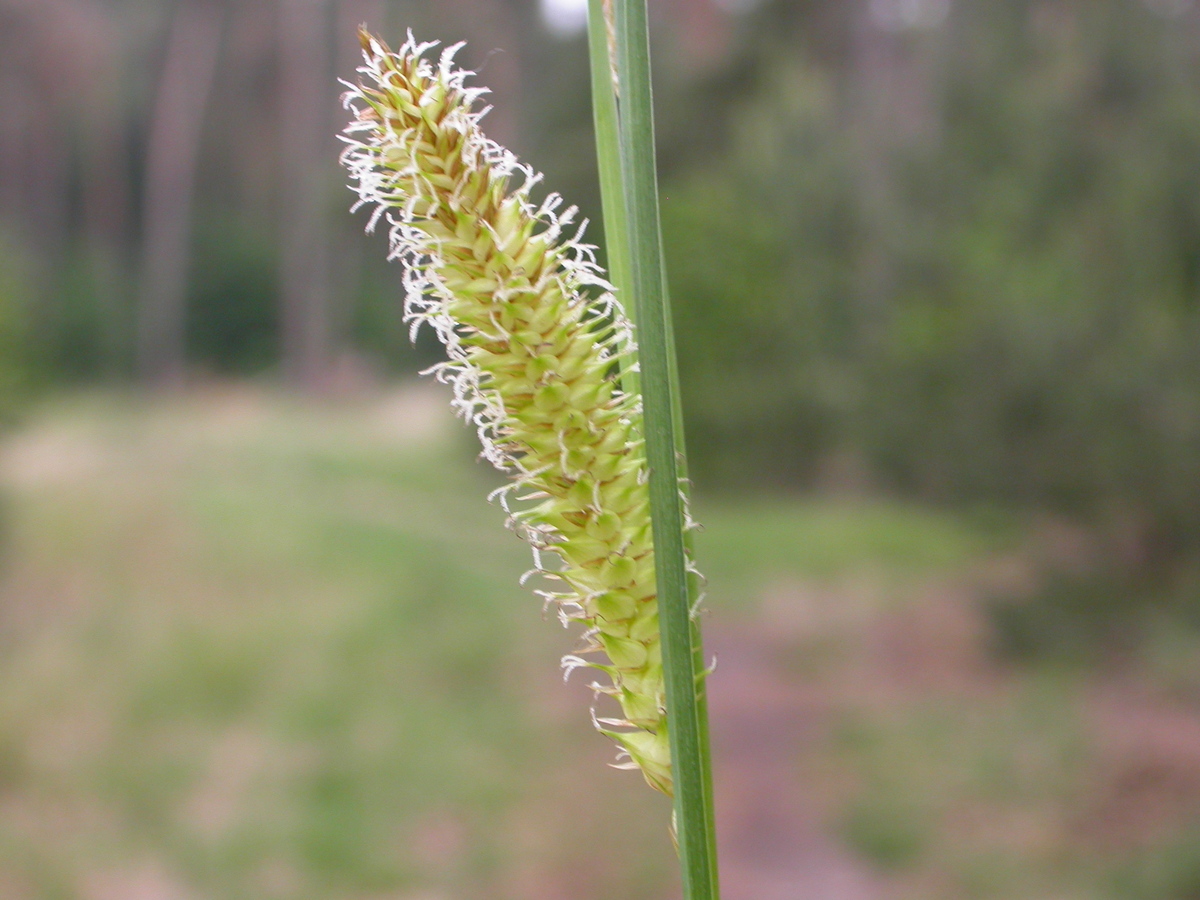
608	159
683	668
608	150
605	109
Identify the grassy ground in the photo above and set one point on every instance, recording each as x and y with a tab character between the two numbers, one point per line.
256	649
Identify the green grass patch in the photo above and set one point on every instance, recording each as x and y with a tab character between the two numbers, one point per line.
261	650
252	649
747	545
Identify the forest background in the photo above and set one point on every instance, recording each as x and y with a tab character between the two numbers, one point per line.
951	250
938	253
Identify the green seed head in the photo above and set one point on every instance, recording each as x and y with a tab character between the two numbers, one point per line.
534	339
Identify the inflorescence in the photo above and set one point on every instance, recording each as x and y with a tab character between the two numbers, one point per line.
536	345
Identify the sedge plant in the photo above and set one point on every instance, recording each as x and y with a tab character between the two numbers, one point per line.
570	399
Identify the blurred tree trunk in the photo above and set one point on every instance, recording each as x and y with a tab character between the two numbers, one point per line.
193	46
499	33
306	94
347	258
351	14
34	146
105	187
893	109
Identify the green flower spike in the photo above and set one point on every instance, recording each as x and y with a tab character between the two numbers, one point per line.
535	343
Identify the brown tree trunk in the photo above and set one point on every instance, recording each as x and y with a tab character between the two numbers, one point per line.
105	189
307	93
33	151
188	72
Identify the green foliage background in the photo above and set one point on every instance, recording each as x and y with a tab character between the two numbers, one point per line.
1000	308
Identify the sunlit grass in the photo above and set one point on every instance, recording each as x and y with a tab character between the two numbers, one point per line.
749	543
275	652
251	648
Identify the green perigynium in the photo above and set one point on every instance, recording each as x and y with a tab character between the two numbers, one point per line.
536	342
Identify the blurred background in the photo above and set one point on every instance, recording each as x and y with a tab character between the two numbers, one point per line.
936	273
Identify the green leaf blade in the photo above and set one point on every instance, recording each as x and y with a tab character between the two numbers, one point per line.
682	659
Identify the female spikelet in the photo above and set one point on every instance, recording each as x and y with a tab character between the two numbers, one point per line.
533	361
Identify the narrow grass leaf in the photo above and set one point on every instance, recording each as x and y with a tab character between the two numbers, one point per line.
683	673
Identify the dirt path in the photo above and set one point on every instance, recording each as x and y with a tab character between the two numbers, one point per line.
772	841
